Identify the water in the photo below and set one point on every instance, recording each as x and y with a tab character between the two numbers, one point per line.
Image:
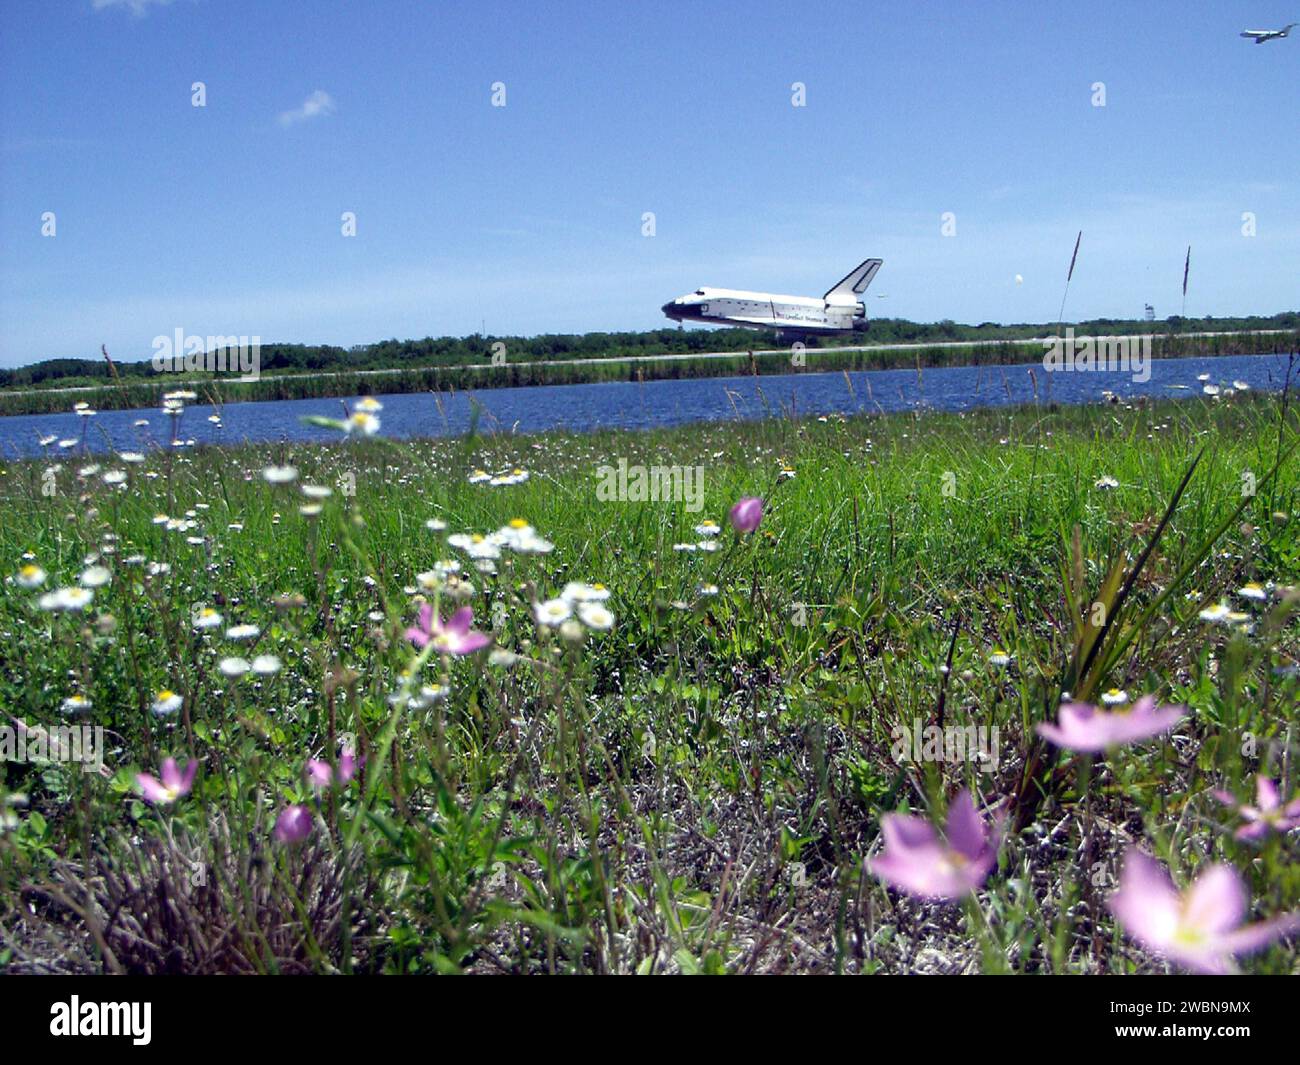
621	405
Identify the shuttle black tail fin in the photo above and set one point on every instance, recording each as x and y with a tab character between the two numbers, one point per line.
857	280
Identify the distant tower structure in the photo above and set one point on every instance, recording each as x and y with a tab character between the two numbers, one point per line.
1150	313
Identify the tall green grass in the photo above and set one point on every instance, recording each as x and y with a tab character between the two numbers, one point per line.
695	790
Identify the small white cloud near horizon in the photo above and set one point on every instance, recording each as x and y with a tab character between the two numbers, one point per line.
318	103
136	7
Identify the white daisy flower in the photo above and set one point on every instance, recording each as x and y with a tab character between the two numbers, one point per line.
75	704
94	577
708	527
166	702
30	576
1215	614
363	422
578	592
475	545
233	667
316	491
243	632
280	474
534	545
430	694
206	618
1253	590
516	533
266	665
1114	697
553	612
66	599
595	616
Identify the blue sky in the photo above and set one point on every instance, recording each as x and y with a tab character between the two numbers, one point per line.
225	219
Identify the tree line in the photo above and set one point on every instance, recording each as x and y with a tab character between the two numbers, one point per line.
447	352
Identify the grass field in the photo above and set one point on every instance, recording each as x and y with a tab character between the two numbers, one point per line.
696	787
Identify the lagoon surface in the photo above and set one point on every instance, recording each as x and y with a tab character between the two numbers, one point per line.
624	405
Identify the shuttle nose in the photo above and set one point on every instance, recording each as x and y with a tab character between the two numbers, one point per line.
672	309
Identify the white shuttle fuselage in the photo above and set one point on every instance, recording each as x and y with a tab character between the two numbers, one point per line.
841	310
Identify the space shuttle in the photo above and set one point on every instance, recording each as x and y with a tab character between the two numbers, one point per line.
841	310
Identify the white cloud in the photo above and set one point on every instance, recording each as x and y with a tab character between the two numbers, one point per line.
136	7
318	103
